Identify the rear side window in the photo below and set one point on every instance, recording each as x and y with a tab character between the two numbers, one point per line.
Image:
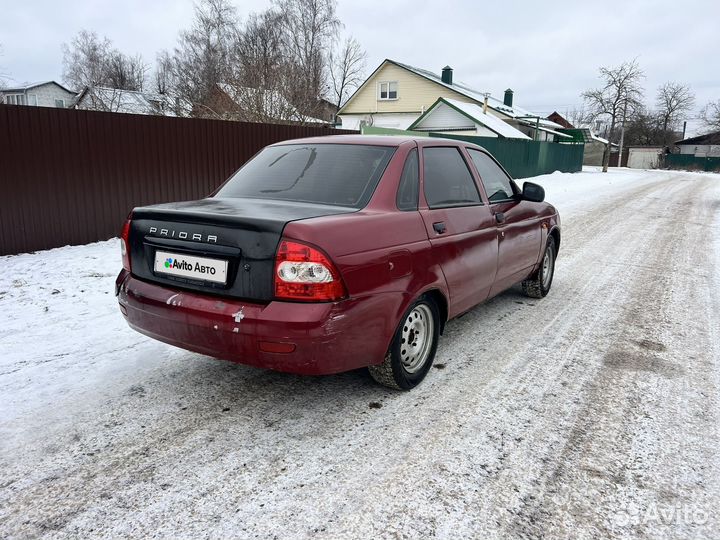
407	195
337	174
497	183
448	181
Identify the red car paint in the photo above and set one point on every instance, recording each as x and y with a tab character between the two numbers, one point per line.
386	257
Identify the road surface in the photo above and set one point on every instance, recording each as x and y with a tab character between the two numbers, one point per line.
592	413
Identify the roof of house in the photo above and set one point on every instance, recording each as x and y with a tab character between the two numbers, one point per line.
28	86
475	113
708	138
585	135
560	119
515	112
274	104
124	101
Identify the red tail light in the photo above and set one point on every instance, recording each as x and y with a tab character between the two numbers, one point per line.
305	273
125	243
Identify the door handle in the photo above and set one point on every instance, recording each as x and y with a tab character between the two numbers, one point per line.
500	217
439	227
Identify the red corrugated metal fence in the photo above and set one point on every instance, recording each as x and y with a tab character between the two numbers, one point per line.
71	177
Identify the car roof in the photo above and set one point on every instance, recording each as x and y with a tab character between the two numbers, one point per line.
378	140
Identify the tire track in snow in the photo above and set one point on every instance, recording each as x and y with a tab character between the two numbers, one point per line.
502	442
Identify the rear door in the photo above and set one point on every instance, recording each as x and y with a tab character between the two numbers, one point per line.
459	225
518	222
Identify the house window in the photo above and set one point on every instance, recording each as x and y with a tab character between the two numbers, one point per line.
388	90
60	103
15	99
32	99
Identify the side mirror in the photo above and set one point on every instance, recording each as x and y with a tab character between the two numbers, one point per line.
533	192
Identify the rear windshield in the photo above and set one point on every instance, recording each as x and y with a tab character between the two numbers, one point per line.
337	174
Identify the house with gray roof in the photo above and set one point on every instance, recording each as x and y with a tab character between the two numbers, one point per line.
100	98
40	94
397	95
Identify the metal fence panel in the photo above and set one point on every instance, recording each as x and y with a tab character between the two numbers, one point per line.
523	159
690	162
71	177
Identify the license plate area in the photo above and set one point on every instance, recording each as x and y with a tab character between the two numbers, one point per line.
191	267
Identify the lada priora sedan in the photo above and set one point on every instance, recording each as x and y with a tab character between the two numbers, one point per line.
329	254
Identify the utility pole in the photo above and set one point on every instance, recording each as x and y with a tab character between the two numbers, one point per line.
622	136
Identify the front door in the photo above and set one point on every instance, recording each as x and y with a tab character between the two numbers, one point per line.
518	223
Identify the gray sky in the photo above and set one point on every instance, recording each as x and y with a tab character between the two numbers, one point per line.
547	52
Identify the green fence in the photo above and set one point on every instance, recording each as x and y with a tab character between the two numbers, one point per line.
521	158
690	162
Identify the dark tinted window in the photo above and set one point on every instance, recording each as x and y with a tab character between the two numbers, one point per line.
496	182
338	174
407	195
448	181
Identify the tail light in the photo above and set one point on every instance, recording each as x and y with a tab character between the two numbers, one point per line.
305	273
125	243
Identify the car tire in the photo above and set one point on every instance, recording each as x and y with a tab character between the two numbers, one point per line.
413	347
539	284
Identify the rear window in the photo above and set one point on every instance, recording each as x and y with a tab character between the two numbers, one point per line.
337	174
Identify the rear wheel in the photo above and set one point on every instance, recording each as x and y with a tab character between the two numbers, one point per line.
413	348
539	284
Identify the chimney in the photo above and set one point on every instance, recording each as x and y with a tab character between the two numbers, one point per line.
508	97
447	75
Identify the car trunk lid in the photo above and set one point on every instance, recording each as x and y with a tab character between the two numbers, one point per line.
224	246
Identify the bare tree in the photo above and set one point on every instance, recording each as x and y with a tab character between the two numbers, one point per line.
85	60
262	78
125	72
673	100
3	76
310	27
347	70
163	79
621	93
578	116
91	61
201	59
645	128
710	115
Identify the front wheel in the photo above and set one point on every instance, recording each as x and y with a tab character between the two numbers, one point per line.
413	348
539	284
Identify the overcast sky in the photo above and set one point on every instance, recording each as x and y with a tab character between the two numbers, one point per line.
547	52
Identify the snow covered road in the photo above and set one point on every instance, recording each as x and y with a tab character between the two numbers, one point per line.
594	412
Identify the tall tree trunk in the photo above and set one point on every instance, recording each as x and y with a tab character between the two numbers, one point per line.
608	146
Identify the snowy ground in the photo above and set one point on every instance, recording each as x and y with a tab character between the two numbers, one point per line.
591	413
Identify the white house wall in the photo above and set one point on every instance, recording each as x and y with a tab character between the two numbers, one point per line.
46	95
700	150
444	117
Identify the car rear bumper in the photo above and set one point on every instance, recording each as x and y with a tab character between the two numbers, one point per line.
303	338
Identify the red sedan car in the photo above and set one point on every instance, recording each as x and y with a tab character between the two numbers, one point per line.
329	254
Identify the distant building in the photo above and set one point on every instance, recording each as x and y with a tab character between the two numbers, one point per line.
42	94
707	145
594	145
560	119
100	98
460	118
644	157
396	95
241	103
